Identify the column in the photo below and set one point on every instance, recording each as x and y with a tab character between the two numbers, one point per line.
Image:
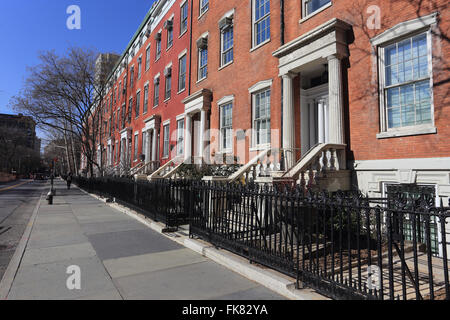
321	121
188	139
336	108
288	119
201	135
312	123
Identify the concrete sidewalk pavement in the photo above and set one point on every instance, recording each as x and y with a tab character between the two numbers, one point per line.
118	257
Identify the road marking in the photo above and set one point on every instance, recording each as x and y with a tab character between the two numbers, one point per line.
14	186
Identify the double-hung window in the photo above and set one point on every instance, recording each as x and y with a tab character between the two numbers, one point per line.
166	134
261	117
131	77
139	67
226	126
136	142
407	92
147	58
311	6
168	86
130	106
202	63
156	92
180	137
169	37
158	48
145	99
138	107
227	45
261	21
182	73
204	6
184	18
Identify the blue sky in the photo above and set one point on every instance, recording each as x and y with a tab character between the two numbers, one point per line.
28	27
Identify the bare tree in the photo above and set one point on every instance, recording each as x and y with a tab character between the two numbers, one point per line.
64	93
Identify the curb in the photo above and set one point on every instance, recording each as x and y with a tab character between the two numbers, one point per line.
13	266
268	278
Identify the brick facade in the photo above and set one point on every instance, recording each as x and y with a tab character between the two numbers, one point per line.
360	75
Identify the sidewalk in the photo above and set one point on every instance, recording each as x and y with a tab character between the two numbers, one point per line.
119	258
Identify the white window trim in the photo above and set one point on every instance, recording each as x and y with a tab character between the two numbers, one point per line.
199	78
307	17
187	18
225	100
221	103
265	84
397	33
258	87
254	44
185	72
229	14
166	123
200	9
147	60
180	118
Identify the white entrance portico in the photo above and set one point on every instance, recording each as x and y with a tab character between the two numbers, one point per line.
151	149
125	150
314	58
196	111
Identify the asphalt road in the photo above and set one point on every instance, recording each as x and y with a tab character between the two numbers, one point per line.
17	201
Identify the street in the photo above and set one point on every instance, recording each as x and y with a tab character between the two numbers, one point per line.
115	257
17	201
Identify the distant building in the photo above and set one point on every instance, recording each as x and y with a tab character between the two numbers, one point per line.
104	65
26	125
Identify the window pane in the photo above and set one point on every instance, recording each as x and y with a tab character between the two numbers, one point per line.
313	5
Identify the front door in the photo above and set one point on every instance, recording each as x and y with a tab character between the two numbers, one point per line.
314	117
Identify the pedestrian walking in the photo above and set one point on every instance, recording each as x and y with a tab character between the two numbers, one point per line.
69	180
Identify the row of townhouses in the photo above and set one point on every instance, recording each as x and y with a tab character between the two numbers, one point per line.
337	94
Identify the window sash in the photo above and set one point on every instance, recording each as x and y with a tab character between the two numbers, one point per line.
145	99
168	85
169	38
156	95
180	137
138	98
261	34
204	6
158	49
184	18
147	59
203	64
166	141
311	6
226	126
407	101
136	143
182	74
227	46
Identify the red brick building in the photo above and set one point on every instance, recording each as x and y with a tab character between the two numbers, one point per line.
345	92
145	90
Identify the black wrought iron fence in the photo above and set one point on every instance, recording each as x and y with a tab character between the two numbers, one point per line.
162	200
344	245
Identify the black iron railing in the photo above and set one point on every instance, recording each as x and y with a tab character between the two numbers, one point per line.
344	245
161	200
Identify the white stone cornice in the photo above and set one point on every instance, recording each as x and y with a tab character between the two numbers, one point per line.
225	99
260	85
404	28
